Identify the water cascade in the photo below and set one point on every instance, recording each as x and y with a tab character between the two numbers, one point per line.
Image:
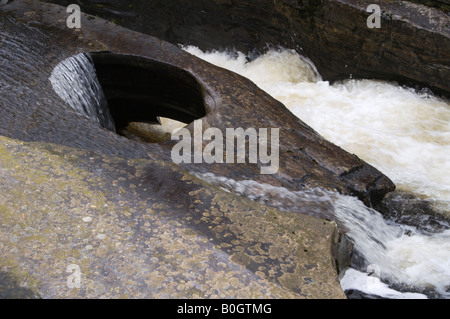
75	81
405	134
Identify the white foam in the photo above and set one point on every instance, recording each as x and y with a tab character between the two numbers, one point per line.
372	285
403	255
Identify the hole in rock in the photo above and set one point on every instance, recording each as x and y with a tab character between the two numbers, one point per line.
147	99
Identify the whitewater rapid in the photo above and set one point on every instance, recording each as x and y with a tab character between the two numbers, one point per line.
403	133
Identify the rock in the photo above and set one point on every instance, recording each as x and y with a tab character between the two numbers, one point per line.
408	209
167	233
11	289
441	4
137	63
356	294
411	46
147	242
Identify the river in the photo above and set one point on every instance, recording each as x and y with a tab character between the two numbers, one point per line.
402	132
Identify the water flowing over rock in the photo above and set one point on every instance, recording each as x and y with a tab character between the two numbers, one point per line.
75	81
306	159
152	222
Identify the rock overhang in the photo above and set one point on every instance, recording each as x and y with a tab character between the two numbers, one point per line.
304	154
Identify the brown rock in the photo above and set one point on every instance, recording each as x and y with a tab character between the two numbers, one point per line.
411	47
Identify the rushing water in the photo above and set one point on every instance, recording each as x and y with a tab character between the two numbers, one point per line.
405	134
75	81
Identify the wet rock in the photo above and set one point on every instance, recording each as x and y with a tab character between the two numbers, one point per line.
410	47
408	209
132	69
356	294
441	4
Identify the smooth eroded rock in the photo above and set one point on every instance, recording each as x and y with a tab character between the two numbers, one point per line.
35	35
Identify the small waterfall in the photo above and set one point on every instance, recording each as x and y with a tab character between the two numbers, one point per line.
75	81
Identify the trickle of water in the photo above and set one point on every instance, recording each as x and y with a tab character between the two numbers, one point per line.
75	81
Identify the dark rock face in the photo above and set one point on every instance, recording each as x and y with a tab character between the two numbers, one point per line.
407	209
441	4
306	159
411	47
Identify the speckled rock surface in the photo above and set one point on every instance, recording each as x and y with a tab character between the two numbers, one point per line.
62	208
